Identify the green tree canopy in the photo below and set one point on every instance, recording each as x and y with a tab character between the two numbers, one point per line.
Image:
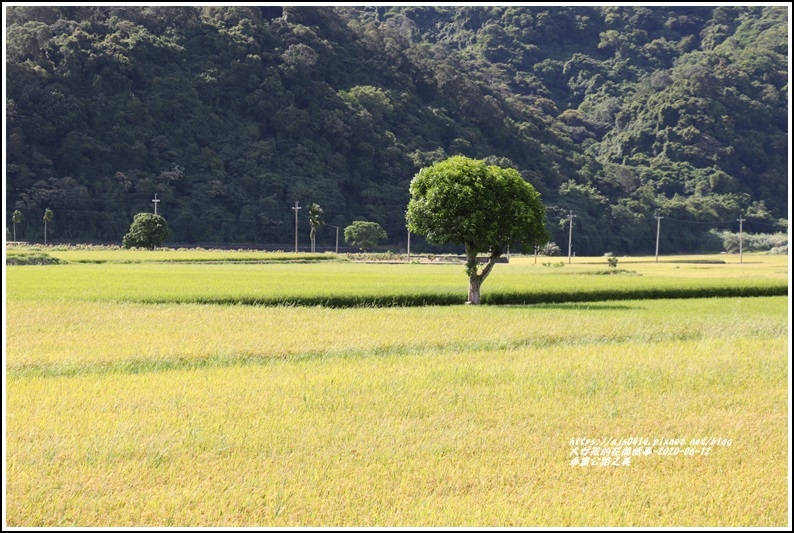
364	235
484	208
146	231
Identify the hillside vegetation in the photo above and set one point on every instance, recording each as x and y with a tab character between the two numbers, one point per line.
232	114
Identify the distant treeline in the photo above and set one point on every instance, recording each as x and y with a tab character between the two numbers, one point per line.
232	114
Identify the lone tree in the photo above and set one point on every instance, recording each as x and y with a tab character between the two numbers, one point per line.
364	235
48	216
315	221
484	208
16	218
146	231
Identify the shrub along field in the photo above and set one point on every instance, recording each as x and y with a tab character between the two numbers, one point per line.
131	403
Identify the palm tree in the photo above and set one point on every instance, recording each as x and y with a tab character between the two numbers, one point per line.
315	221
47	218
16	218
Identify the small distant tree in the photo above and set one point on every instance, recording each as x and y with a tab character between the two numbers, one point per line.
612	261
146	231
315	221
550	249
364	235
48	216
16	218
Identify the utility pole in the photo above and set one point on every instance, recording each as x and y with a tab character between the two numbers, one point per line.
337	236
740	219
571	216
155	202
658	223
296	208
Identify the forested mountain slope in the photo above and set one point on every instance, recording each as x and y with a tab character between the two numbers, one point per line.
232	114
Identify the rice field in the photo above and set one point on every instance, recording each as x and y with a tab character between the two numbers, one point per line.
99	255
344	284
131	403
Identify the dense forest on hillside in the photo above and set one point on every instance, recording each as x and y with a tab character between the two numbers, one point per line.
232	114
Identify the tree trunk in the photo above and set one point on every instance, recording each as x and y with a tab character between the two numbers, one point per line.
475	276
474	290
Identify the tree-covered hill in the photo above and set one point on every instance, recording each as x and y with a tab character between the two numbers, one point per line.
232	114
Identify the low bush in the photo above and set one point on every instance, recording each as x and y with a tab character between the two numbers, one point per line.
33	258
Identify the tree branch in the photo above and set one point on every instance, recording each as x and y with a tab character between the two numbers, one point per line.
495	254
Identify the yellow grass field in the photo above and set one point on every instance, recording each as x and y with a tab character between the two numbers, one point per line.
183	414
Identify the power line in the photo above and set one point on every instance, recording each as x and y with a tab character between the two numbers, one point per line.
698	222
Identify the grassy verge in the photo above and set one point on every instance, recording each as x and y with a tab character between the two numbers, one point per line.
32	258
111	255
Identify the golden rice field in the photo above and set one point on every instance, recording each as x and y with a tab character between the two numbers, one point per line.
126	413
